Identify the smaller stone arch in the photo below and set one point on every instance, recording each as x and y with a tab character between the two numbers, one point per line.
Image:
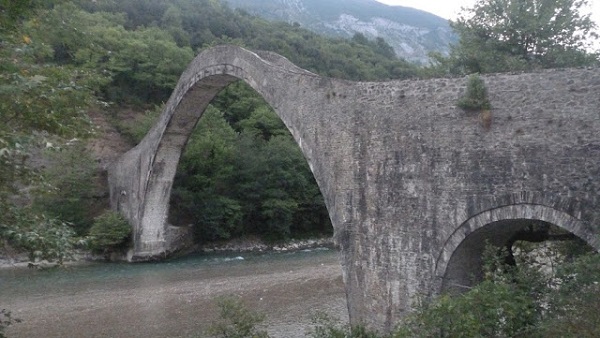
463	248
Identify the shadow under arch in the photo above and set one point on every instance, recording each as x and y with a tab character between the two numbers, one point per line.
145	200
460	260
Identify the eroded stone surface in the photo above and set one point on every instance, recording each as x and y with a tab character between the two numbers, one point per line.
406	175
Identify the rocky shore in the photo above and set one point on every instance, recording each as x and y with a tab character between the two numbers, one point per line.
254	244
21	260
12	259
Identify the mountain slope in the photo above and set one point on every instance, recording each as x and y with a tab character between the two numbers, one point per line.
411	32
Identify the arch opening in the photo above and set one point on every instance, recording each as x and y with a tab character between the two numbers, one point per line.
518	240
242	174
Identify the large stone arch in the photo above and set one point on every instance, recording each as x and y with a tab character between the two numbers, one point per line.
145	200
461	253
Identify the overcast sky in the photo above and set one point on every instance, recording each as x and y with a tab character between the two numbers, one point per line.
449	8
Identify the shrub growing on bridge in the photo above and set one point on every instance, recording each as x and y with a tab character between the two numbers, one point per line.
476	96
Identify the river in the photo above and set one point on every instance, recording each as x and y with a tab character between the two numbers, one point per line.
176	298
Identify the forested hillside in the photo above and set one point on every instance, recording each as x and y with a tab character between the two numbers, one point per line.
242	173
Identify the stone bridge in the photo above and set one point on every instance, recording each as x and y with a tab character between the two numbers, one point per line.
413	185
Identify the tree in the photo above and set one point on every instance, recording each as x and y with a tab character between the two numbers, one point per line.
526	300
509	35
264	124
139	65
573	308
13	10
172	22
41	105
41	237
109	232
73	193
203	191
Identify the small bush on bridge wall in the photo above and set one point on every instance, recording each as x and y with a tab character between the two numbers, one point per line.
476	97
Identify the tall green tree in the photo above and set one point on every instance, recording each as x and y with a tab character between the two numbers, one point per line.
203	193
508	35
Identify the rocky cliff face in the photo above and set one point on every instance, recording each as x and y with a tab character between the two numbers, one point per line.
412	33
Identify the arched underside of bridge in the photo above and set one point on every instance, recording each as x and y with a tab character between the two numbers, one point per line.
460	265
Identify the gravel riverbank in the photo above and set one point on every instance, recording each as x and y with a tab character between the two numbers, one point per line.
181	302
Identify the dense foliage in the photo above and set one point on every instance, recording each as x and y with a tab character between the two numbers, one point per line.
40	104
138	65
197	24
242	173
536	298
109	231
72	191
511	35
